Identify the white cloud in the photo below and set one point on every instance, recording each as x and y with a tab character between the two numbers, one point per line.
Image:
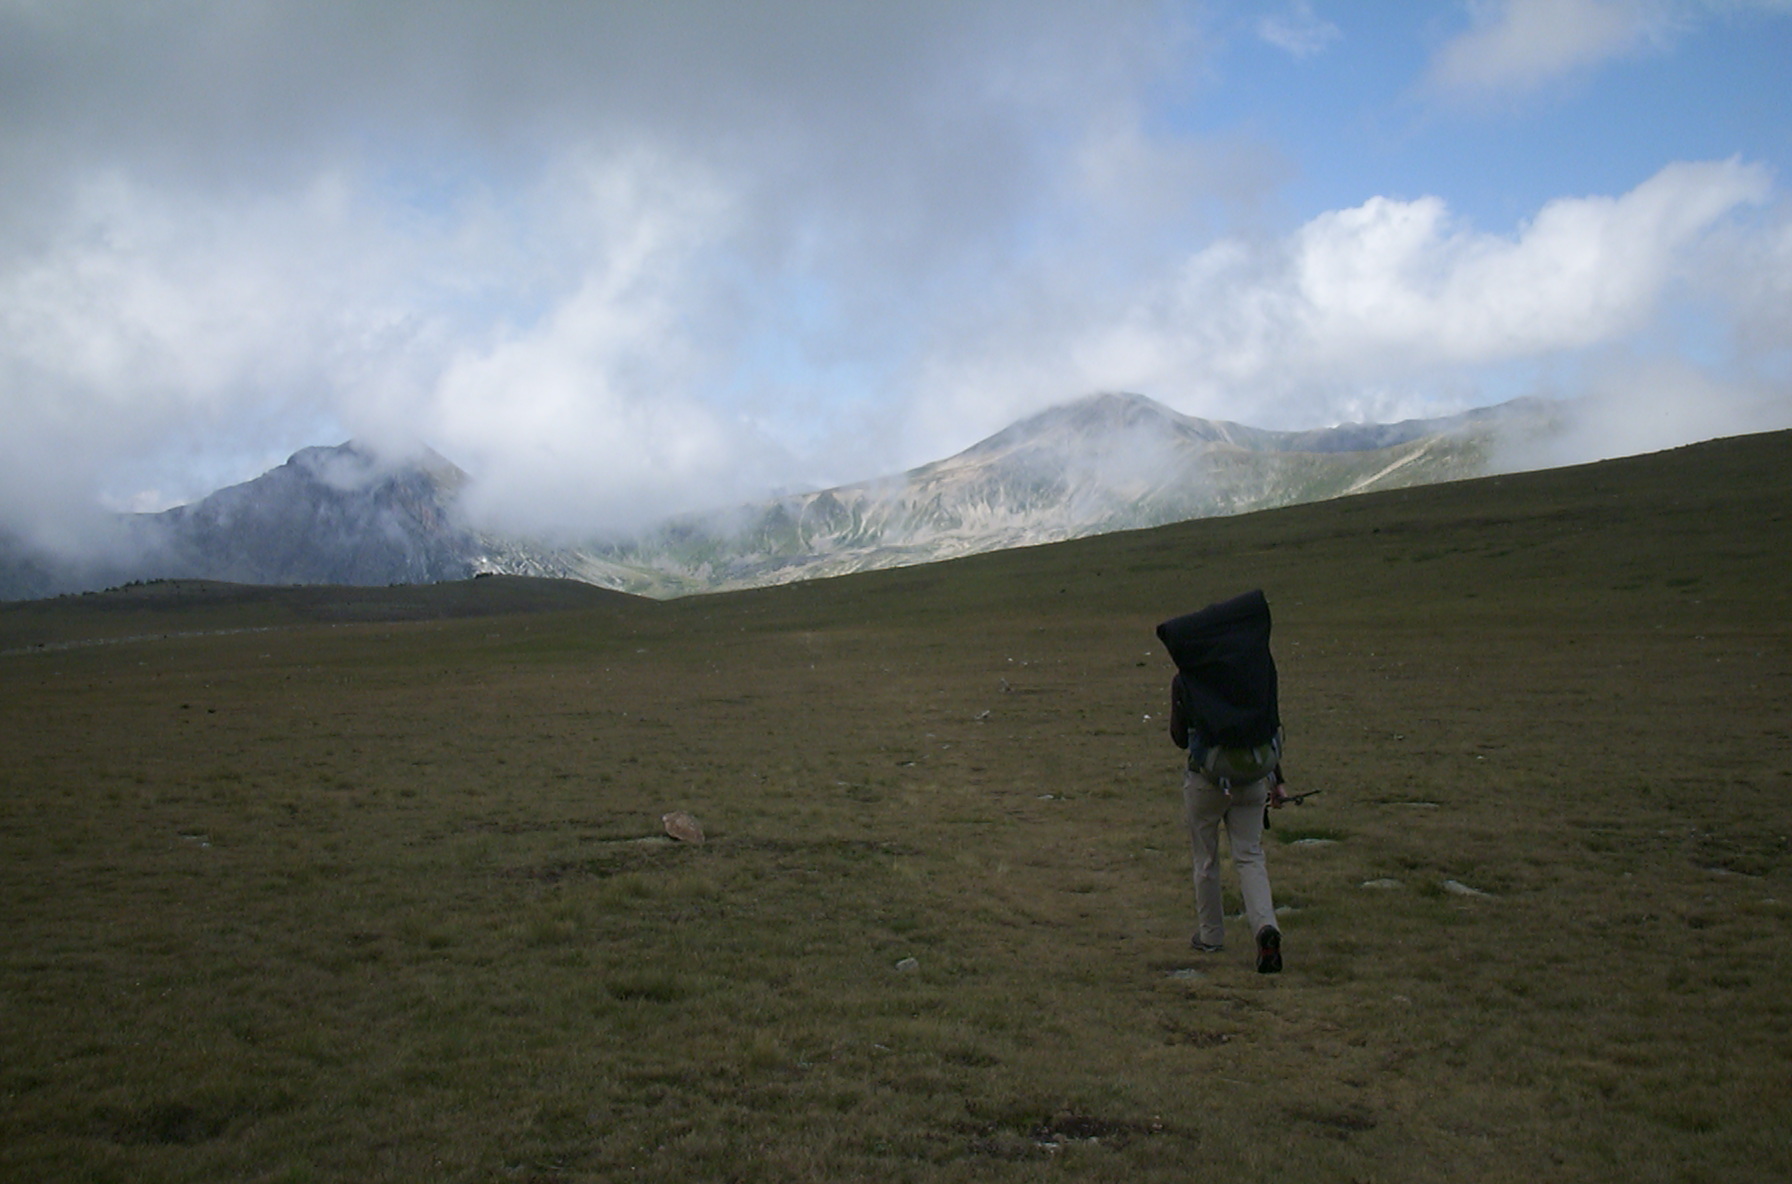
556	349
144	320
622	259
1298	31
1394	279
1749	275
1518	46
578	248
1633	403
1388	309
587	416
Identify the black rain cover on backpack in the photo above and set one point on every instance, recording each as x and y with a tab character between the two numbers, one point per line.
1228	675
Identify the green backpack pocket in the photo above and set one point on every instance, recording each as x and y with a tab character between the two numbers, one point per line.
1226	767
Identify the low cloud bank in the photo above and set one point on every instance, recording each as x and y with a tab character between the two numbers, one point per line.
1393	310
802	249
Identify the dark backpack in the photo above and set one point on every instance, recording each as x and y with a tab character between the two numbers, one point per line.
1228	680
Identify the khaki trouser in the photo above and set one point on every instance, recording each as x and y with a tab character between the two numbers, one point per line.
1204	805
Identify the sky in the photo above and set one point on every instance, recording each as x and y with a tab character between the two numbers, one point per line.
620	260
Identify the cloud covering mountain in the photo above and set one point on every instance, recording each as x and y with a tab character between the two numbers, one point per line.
627	260
347	515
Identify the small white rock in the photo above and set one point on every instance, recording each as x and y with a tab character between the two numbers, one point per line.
1385	882
1314	843
682	827
908	964
1457	888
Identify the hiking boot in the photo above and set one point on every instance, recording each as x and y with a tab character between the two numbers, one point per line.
1269	950
1204	947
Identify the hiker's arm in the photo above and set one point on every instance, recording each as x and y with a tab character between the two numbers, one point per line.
1178	723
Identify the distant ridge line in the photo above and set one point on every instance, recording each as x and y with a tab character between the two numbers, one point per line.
1110	461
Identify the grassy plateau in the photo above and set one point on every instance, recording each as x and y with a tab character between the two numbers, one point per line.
370	884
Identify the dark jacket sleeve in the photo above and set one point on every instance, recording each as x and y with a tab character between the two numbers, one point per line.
1178	721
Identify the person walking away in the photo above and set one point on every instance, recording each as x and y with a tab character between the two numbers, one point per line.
1223	711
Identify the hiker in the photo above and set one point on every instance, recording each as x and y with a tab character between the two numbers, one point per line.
1223	711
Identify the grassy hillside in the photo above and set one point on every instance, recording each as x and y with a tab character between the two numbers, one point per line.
156	609
386	899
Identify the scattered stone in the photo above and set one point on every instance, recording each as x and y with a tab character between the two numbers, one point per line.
1458	888
1185	974
682	827
1384	882
1046	797
908	964
1314	843
981	716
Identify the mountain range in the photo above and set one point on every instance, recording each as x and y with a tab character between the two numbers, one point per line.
345	515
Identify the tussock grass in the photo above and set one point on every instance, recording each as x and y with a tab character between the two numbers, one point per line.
387	900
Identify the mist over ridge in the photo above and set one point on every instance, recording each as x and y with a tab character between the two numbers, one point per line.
626	261
352	514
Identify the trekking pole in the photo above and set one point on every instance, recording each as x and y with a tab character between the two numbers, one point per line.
1295	798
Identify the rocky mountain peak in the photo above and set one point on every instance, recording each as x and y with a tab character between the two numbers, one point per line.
1080	421
352	514
351	467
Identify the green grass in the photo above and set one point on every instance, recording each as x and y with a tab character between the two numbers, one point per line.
376	899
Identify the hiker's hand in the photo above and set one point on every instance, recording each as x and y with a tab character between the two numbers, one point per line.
1277	795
